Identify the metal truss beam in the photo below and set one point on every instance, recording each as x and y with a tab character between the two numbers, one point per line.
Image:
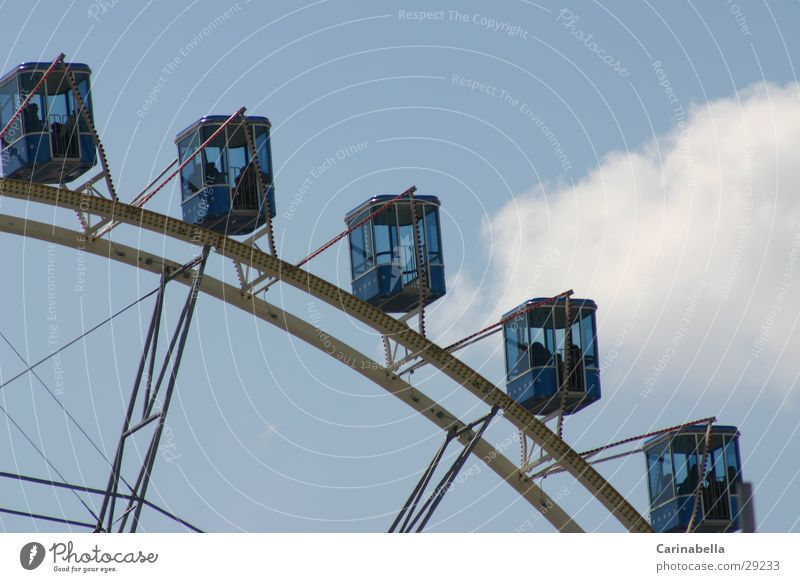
407	515
309	333
494	458
152	391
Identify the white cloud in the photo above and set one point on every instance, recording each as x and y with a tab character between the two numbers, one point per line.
686	244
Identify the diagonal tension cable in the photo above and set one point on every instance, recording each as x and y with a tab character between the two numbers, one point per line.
41	361
56	399
46	517
77	339
150	504
46	460
31	367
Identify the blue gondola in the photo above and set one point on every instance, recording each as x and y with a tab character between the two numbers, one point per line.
383	254
536	358
673	462
219	187
50	142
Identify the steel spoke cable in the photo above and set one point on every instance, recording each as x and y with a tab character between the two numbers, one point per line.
698	492
494	328
710	419
385	206
61	405
63	485
31	368
46	460
77	339
143	198
555	468
46	518
350	229
478	335
55	398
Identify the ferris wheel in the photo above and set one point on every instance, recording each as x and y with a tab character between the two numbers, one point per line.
228	201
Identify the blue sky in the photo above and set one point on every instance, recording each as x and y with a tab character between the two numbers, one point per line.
644	155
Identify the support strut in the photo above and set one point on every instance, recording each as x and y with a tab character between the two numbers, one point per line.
152	390
80	102
421	260
263	187
407	515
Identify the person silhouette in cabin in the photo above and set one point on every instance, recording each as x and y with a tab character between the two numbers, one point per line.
213	175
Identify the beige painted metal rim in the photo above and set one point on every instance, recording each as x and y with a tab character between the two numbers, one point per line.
354	307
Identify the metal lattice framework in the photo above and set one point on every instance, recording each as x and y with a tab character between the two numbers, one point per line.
257	261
